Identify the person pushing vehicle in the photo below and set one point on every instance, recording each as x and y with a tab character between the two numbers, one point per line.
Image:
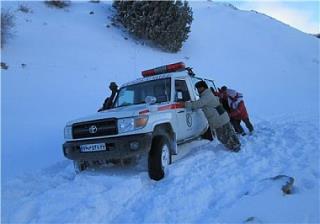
217	117
234	104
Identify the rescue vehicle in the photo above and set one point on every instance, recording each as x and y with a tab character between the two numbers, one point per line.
146	119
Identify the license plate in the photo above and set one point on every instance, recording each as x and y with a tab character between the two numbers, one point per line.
93	147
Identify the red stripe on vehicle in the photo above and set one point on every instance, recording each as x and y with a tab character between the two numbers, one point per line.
144	111
170	107
163	108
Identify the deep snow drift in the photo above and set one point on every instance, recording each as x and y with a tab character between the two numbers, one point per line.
208	184
70	57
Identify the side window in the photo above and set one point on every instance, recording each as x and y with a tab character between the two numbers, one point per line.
194	81
210	83
182	92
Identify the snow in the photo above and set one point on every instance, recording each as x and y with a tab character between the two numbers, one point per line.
71	56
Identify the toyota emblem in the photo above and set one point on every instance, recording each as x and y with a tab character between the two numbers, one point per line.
93	129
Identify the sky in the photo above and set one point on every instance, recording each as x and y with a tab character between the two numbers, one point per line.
303	15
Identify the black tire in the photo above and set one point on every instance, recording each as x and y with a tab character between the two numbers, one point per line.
80	165
160	148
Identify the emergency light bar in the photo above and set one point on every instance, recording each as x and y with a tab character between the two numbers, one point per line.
164	69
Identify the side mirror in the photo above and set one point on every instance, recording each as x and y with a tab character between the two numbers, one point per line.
179	96
150	100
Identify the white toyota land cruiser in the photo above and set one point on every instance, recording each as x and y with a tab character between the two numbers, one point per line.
146	118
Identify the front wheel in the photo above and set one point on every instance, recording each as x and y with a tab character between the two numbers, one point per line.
159	158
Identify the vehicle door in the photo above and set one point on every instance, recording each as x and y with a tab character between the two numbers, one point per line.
200	122
184	118
210	84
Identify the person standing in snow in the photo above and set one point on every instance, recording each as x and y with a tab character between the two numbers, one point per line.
234	104
218	118
109	100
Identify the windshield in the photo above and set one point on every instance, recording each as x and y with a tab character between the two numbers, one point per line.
136	94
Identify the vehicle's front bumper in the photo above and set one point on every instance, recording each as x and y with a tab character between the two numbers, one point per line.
117	147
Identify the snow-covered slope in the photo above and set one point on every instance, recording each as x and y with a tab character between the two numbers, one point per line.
208	184
70	57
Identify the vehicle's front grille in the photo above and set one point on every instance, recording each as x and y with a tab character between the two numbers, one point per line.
94	128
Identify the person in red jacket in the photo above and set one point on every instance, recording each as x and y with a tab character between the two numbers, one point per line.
233	100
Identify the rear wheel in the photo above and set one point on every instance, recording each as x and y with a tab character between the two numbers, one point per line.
159	158
80	165
209	135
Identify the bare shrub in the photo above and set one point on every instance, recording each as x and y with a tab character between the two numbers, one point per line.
58	4
4	66
24	8
7	23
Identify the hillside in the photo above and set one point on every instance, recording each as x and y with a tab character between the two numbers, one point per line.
70	57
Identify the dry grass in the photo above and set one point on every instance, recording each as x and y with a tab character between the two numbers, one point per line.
7	23
58	4
24	8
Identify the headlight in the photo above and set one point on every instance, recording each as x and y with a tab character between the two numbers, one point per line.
132	123
68	132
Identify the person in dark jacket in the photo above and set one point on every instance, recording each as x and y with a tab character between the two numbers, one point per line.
233	101
217	117
109	100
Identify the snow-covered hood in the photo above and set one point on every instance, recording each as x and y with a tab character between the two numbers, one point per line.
120	112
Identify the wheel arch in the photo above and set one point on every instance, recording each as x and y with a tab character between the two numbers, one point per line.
165	129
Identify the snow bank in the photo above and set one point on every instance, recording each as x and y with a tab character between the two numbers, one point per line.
206	184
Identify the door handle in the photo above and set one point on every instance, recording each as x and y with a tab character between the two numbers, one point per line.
181	111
